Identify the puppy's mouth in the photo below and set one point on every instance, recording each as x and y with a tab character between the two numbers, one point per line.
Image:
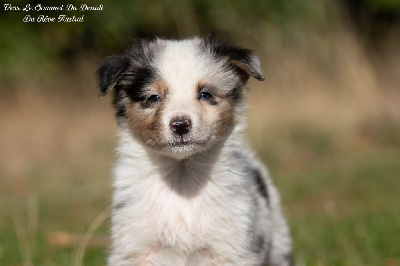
182	148
184	143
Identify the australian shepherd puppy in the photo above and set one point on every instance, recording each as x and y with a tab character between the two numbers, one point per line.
187	189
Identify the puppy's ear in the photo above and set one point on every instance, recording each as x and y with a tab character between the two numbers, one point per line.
110	72
241	58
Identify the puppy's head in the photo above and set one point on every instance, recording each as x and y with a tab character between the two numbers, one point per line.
179	97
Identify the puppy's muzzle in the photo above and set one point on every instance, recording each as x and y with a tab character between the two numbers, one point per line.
181	125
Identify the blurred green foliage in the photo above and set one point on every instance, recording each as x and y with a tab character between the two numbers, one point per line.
383	4
35	48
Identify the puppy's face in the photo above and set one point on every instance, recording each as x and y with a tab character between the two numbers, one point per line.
179	97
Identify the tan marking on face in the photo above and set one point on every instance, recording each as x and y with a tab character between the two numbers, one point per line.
145	122
161	87
211	88
220	116
225	117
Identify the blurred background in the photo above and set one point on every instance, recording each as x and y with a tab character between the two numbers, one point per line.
326	121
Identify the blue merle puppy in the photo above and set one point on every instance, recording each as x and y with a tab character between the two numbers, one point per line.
187	188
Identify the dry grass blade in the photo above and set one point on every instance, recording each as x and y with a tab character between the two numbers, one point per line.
23	241
88	235
33	223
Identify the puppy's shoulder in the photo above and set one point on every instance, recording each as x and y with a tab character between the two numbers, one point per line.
243	159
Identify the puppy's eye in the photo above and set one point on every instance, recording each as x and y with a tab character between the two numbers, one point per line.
205	95
153	98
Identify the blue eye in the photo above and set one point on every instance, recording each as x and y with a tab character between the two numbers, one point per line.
205	96
153	98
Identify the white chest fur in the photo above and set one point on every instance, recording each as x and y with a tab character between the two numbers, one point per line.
185	206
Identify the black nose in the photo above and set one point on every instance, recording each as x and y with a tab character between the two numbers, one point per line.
181	125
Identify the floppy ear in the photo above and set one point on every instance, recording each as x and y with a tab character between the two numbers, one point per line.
110	72
241	58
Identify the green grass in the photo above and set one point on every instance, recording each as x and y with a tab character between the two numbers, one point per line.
345	214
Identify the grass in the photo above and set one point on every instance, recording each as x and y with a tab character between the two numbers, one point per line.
345	215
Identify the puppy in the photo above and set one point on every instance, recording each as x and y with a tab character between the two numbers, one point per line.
187	189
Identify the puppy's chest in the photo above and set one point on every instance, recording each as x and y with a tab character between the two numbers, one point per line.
186	223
